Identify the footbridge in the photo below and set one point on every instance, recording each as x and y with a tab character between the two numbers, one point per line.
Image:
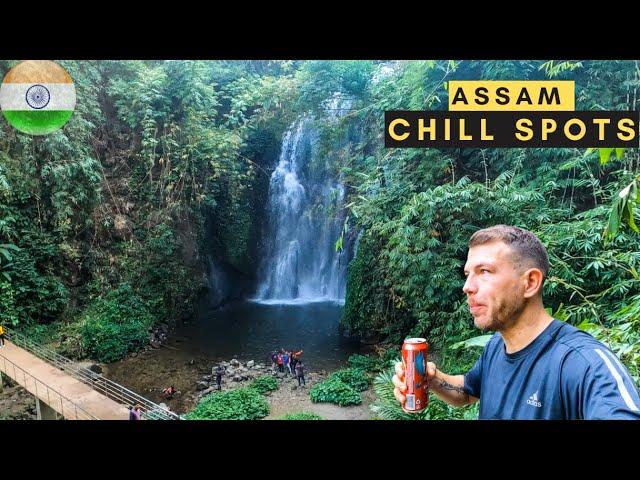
65	390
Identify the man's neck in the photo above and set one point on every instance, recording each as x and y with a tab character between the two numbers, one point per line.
526	328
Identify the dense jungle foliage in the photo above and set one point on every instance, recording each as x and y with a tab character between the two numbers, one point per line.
115	204
102	223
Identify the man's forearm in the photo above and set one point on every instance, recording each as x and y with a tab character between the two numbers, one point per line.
449	389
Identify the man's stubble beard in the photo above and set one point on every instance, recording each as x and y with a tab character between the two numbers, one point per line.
507	312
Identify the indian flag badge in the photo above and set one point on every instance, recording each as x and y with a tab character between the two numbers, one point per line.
37	97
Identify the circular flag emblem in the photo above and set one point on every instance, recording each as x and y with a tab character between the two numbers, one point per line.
37	97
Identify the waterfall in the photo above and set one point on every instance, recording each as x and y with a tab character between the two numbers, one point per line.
304	220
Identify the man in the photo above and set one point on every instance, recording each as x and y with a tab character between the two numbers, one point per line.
300	373
534	367
219	373
285	361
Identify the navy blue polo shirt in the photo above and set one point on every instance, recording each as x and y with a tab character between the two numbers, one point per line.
564	373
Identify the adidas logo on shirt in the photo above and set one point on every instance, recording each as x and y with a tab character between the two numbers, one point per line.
533	400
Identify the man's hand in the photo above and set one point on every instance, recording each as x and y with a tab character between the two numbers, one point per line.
398	380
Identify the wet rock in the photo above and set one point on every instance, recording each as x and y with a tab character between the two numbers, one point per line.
237	378
206	378
202	386
208	391
234	362
250	363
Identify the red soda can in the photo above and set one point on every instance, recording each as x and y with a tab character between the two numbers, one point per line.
414	357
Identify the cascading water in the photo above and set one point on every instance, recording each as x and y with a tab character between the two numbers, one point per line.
301	278
305	218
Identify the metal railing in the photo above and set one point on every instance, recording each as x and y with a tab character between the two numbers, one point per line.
106	387
53	398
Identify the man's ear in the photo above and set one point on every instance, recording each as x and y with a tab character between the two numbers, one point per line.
532	279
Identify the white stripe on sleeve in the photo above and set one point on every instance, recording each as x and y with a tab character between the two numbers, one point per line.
623	389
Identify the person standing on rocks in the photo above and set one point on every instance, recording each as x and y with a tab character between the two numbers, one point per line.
219	373
300	373
285	361
295	358
280	363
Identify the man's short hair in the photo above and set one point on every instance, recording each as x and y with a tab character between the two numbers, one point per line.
525	245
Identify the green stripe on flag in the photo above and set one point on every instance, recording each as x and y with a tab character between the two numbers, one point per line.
37	122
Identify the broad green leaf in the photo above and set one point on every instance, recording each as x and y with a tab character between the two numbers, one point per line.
630	219
479	341
619	153
614	220
587	326
605	154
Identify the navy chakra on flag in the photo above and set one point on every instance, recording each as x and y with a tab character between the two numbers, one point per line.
38	96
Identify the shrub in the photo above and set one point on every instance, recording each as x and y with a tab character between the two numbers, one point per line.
8	310
354	377
115	325
301	416
107	341
43	334
334	390
238	404
264	384
388	408
368	363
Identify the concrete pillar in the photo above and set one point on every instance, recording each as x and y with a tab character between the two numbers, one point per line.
45	412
